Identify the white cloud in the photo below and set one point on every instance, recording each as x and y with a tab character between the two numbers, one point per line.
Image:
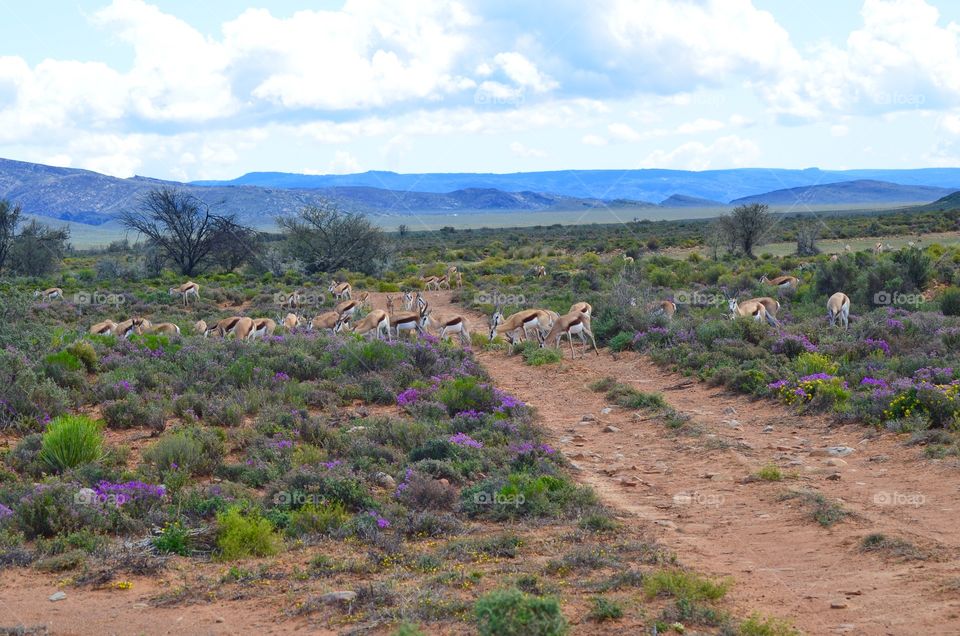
593	140
524	73
901	58
730	151
699	126
521	150
343	163
839	130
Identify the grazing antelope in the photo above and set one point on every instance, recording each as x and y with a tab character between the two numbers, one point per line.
165	328
540	271
340	290
262	327
781	282
438	282
291	300
582	307
750	308
878	248
448	325
200	327
421	303
348	308
49	294
326	320
239	326
129	327
406	321
573	324
105	328
838	306
407	301
291	322
665	308
770	305
458	276
377	321
391	305
186	290
537	319
429	281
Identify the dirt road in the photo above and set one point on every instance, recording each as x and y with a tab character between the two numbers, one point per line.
694	489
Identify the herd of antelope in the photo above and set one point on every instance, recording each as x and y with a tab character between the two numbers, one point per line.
412	314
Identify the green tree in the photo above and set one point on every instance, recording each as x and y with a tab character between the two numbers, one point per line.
326	239
9	219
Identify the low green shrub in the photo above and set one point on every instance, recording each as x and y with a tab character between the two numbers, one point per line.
514	613
244	534
69	441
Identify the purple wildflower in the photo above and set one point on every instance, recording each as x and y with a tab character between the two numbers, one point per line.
462	439
816	376
877	345
280	376
381	522
868	381
409	396
5	512
776	386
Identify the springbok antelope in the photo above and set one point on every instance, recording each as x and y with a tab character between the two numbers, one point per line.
665	308
438	282
105	328
186	290
781	282
129	327
239	326
49	294
291	300
750	308
878	248
537	319
326	320
406	321
572	324
448	325
340	290
348	308
407	301
838	306
582	307
262	327
421	303
377	321
429	281
291	321
200	327
165	328
540	271
771	305
458	276
391	305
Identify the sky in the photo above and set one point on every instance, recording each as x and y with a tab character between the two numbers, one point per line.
189	90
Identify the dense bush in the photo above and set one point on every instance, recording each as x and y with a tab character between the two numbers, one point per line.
69	441
514	613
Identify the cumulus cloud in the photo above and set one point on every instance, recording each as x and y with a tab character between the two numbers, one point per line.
725	151
521	150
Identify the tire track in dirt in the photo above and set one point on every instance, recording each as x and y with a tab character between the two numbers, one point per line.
691	490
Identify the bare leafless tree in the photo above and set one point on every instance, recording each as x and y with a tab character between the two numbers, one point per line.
182	226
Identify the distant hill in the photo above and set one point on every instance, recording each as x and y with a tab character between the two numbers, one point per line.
90	198
637	185
861	191
949	202
684	201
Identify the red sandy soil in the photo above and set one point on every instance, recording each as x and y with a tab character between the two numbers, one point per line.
692	489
